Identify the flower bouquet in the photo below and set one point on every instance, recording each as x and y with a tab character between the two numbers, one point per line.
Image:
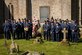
26	28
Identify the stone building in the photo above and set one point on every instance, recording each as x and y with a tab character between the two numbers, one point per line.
18	9
41	9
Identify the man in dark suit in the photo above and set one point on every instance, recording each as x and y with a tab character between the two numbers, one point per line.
20	27
68	23
48	30
74	31
29	29
14	27
57	31
6	29
18	30
26	27
44	30
65	25
52	31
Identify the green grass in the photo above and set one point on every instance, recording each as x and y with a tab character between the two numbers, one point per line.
48	47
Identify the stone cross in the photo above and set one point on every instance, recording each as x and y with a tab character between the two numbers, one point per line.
64	31
64	41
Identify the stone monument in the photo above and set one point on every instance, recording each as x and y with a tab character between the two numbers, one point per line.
65	41
38	40
5	44
14	48
33	53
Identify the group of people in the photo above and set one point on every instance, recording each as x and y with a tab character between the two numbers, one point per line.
53	30
17	29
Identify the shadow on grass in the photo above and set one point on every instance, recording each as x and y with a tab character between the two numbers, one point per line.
80	40
1	36
18	53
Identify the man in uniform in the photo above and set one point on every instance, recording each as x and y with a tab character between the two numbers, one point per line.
57	31
22	28
65	25
29	29
52	31
26	27
74	31
48	30
44	30
62	27
6	29
18	30
14	27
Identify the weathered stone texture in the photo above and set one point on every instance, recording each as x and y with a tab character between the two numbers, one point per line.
22	8
19	8
58	8
16	9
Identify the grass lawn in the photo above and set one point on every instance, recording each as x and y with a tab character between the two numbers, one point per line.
48	47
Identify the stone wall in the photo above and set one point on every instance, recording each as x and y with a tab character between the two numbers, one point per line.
22	8
19	8
58	8
66	9
16	9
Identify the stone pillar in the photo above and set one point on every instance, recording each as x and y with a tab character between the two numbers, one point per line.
80	12
11	10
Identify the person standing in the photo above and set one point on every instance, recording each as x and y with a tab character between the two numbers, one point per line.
48	30
65	25
6	29
26	29
38	24
44	30
22	29
57	31
14	27
52	31
18	30
29	29
74	31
